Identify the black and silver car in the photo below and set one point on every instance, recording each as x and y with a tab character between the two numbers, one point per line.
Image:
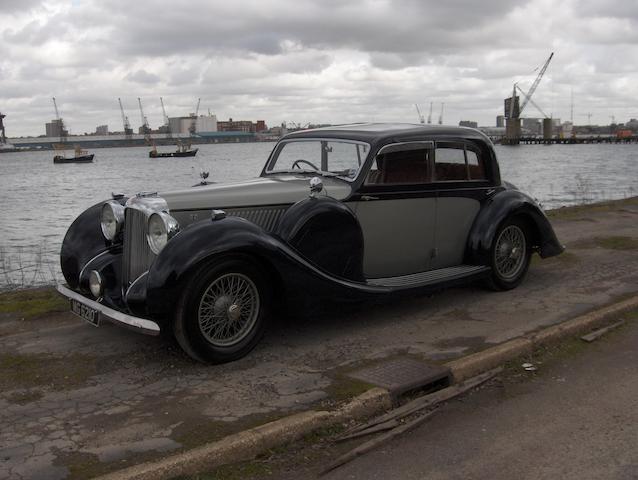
340	212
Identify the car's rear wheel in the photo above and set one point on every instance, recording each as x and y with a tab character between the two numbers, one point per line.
223	311
510	254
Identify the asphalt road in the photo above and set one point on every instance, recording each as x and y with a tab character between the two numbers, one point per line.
76	400
575	418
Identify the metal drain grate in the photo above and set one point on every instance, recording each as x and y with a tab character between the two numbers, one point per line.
401	375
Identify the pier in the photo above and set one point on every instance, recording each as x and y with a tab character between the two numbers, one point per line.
538	140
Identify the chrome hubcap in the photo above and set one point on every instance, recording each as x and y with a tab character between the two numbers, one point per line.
228	309
510	252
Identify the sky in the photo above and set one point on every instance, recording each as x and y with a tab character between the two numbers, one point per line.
324	61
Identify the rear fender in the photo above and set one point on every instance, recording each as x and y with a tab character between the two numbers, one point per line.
504	205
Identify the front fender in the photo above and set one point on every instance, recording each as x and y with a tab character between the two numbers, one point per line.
82	242
204	241
502	205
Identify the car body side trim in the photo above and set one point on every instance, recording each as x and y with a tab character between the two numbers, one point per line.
141	325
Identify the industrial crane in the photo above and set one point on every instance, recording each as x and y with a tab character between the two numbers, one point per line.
146	130
128	131
441	114
418	112
430	115
532	89
63	131
167	124
193	127
513	113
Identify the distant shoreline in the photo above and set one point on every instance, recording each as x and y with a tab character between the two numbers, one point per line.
38	145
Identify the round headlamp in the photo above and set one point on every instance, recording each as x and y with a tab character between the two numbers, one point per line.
161	228
96	285
112	219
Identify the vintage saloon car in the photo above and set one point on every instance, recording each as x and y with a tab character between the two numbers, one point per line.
340	212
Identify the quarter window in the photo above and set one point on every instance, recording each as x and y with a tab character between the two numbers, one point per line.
457	163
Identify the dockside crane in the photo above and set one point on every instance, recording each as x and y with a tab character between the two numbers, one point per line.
193	127
430	114
63	131
128	131
167	124
441	114
146	130
513	111
418	112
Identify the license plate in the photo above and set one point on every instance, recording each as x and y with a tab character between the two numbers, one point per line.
89	314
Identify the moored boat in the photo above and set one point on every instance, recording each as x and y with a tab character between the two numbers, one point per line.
81	156
183	150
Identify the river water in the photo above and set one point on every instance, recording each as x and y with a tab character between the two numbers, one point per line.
40	199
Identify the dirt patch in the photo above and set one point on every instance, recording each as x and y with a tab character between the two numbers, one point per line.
25	396
32	303
610	243
21	371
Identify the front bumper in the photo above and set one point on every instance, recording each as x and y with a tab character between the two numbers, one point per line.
141	325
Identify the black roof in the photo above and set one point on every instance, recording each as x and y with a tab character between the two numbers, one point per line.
374	133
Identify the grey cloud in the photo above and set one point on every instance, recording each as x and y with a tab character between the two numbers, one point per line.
142	76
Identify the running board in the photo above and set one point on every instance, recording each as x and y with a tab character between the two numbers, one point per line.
431	277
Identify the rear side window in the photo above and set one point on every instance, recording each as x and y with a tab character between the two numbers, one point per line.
458	163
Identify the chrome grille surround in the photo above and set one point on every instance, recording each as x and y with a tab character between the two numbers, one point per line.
137	256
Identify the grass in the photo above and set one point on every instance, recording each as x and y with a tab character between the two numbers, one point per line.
32	303
579	211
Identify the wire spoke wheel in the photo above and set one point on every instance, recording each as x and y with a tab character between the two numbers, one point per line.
228	309
510	253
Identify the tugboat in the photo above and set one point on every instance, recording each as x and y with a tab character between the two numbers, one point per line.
183	150
81	156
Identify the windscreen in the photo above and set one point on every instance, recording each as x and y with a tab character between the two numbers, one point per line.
325	157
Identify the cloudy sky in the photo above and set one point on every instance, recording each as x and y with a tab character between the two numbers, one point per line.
323	61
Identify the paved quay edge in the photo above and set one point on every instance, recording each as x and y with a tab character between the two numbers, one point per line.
248	444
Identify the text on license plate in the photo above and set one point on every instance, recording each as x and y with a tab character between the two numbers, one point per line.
89	314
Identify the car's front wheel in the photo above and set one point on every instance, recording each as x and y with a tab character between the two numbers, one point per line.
510	254
223	311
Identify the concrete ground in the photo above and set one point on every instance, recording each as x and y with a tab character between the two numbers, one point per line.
76	400
574	418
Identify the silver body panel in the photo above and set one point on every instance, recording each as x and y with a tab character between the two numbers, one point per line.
398	235
271	190
454	219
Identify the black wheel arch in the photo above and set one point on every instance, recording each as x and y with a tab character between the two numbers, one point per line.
503	206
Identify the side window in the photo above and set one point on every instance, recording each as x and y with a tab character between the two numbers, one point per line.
449	164
401	165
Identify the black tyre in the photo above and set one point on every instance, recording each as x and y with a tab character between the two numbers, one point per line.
223	311
510	254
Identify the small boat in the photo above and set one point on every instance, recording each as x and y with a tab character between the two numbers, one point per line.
183	150
81	156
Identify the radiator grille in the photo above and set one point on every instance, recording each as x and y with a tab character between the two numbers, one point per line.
266	217
137	256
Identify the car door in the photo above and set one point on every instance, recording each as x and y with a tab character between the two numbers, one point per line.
460	176
396	207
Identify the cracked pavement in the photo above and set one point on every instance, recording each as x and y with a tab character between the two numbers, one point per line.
89	400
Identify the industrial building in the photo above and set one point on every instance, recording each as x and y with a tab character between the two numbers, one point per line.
203	123
55	128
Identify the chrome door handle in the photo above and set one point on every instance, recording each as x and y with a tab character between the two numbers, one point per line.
368	197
